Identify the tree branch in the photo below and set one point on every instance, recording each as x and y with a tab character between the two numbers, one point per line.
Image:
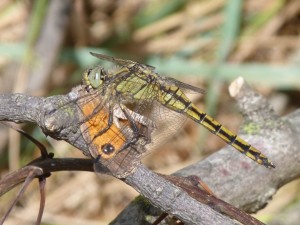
222	171
44	166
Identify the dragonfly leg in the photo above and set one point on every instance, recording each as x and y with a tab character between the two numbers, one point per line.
135	130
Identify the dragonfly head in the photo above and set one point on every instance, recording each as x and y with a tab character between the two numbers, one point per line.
94	77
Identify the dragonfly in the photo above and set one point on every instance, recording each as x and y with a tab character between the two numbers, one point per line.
137	85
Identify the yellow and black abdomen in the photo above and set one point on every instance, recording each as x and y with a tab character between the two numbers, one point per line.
173	98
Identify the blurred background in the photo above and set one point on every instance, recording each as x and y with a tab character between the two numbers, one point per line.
44	47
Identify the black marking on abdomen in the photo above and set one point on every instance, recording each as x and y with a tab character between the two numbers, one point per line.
231	138
241	145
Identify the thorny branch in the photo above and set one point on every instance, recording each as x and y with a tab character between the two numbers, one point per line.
222	171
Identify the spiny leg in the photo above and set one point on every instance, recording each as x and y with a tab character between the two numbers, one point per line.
133	126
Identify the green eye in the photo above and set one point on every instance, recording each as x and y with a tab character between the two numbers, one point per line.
95	77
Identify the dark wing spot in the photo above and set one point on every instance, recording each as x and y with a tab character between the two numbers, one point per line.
107	148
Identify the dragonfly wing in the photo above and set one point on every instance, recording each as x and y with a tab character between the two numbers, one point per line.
122	62
168	125
183	86
110	59
108	147
167	80
119	114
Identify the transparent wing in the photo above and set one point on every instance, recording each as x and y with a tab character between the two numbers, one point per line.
118	61
166	80
185	87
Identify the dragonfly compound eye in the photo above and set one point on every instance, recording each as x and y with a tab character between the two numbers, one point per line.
107	149
96	77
